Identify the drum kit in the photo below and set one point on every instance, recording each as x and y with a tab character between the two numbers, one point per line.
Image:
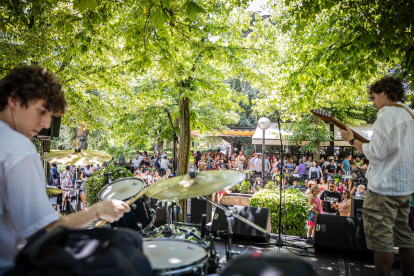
172	249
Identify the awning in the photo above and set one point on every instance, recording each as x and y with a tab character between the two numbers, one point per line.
272	135
230	133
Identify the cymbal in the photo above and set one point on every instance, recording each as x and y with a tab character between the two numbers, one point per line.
53	191
183	186
84	157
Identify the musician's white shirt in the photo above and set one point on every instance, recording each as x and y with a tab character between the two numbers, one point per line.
391	153
24	205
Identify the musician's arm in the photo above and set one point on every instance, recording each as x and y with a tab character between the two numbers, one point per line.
110	210
358	145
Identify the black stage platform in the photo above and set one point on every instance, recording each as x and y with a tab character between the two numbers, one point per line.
331	263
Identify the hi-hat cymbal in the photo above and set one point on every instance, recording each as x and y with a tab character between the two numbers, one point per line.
53	191
84	157
183	186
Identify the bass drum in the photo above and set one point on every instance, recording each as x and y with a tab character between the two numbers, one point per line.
142	215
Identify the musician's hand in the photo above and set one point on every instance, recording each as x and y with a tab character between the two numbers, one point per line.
112	210
347	134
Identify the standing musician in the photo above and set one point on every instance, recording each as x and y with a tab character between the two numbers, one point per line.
390	177
28	97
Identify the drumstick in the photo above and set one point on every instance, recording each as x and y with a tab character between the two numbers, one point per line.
129	202
135	198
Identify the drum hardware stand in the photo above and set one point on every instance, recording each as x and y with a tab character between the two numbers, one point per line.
230	214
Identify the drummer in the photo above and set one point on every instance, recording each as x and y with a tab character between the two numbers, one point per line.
29	96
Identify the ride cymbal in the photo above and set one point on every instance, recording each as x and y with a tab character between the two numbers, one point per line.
183	186
53	191
84	157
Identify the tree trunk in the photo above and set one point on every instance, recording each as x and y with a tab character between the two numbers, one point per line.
46	148
185	133
317	154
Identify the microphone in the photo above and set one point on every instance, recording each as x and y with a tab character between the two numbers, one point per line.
166	110
203	225
277	112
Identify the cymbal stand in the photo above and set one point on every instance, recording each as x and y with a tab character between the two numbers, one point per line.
230	214
167	230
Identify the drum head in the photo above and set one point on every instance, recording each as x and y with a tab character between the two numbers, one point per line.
122	189
169	254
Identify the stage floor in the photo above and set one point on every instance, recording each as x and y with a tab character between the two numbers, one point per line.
327	263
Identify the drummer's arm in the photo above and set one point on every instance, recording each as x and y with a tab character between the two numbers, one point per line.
110	210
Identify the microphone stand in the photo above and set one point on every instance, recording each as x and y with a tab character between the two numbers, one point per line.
279	241
175	141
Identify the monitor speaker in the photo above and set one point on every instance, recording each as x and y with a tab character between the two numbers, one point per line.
241	230
54	129
357	206
337	232
198	208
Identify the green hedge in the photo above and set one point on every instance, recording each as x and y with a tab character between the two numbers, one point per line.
98	179
294	209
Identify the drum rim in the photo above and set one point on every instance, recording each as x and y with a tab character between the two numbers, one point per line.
118	180
179	269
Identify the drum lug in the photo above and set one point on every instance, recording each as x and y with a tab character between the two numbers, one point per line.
139	224
133	206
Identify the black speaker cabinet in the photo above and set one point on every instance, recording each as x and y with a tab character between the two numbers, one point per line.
241	230
53	130
197	208
336	232
357	206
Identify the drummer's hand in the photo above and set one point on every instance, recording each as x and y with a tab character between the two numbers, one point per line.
112	210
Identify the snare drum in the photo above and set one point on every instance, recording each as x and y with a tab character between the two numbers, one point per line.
175	257
142	216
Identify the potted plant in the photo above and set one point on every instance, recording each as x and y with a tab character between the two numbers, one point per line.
336	176
248	174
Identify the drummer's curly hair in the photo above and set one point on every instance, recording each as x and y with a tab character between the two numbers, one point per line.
27	83
392	87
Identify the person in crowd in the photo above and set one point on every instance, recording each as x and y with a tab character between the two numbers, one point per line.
88	172
259	165
341	188
146	176
67	185
253	163
240	161
301	168
54	176
311	183
284	184
135	162
167	174
295	185
202	165
344	208
358	161
351	186
315	170
346	164
220	196
323	185
221	165
164	164
329	199
315	206
363	167
258	185
308	162
354	169
145	163
156	175
97	167
330	169
360	191
137	174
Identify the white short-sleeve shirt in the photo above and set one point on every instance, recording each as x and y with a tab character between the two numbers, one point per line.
24	205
